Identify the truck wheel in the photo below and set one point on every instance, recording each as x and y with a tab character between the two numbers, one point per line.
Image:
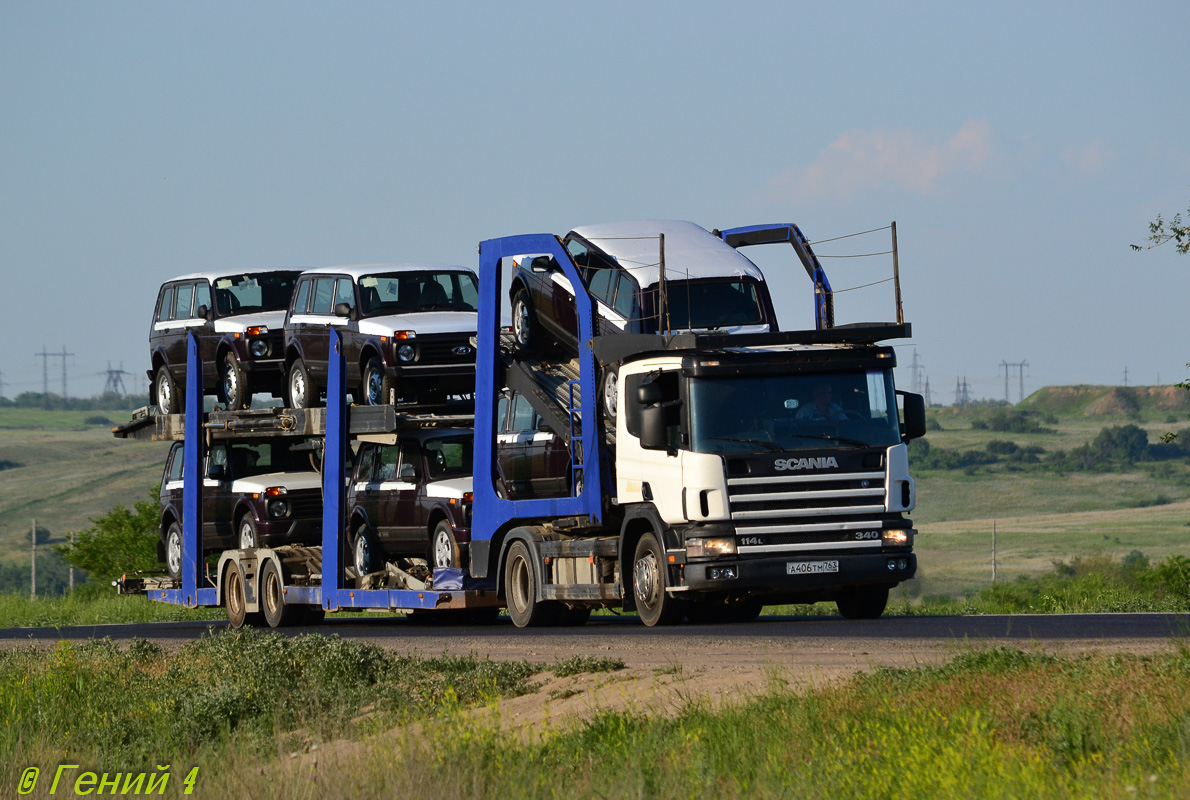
247	532
313	615
520	591
444	550
363	551
653	603
233	595
378	387
524	323
168	401
173	550
575	617
301	391
863	602
232	384
272	599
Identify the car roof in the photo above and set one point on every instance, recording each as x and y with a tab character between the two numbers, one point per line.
357	271
691	251
212	275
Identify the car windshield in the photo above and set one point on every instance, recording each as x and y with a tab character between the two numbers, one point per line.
430	290
449	458
254	292
712	304
793	412
248	459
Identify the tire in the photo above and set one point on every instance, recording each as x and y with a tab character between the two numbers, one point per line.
312	615
520	591
377	386
364	551
575	617
233	595
863	602
173	550
272	599
168	399
444	549
233	383
655	605
299	390
246	530
744	611
524	323
607	395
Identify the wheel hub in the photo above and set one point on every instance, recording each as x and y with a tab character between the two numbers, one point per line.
644	580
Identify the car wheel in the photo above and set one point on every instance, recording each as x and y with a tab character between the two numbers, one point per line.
301	391
247	532
272	598
444	550
232	383
173	550
655	605
166	390
520	590
863	602
363	551
608	393
524	323
378	387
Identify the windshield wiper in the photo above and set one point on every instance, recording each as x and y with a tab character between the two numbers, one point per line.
772	446
831	438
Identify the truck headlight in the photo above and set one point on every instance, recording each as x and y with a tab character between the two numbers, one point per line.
259	348
708	548
897	538
406	352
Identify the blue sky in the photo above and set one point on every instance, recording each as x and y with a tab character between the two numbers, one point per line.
1021	147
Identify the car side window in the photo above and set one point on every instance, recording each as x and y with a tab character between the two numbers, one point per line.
578	251
165	304
410	461
523	415
217	457
625	303
202	296
600	284
502	414
175	465
386	463
302	302
345	292
363	469
324	293
183	295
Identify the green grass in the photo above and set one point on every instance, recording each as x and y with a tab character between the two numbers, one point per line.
991	724
18	610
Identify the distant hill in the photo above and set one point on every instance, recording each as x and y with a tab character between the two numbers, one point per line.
1093	401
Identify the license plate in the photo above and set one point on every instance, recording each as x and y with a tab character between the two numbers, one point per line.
810	567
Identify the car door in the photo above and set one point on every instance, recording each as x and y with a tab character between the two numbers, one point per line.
204	331
217	501
348	328
181	320
171	482
513	445
402	499
364	492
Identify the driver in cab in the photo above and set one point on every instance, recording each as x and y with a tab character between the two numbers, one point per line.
822	405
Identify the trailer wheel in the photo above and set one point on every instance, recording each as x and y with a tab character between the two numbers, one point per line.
272	598
655	605
233	596
168	401
444	550
173	550
863	602
232	384
520	591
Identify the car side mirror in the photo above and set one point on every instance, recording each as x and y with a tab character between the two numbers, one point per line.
217	472
540	264
203	311
543	426
343	310
913	422
408	473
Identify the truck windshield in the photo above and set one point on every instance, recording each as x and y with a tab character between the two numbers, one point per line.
793	412
403	292
254	292
709	304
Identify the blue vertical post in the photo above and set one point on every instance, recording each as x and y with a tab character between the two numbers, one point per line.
333	461
193	482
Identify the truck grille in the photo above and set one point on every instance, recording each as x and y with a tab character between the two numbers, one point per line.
807	512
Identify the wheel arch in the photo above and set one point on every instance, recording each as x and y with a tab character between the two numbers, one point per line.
638	520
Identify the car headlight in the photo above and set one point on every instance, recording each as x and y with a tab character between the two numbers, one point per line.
897	538
278	508
259	348
406	352
706	548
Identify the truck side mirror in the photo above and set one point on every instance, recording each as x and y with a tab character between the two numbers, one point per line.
652	417
913	423
648	394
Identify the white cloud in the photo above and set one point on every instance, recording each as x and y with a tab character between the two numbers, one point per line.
1086	158
865	160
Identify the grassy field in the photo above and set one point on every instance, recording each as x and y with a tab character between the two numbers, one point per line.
262	716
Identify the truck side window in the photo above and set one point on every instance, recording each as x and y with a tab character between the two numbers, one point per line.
165	304
303	298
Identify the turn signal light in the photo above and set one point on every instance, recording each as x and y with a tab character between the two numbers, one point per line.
258	330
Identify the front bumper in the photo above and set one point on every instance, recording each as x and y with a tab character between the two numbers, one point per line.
450	378
276	532
770	574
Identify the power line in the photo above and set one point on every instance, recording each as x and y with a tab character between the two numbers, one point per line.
1020	365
